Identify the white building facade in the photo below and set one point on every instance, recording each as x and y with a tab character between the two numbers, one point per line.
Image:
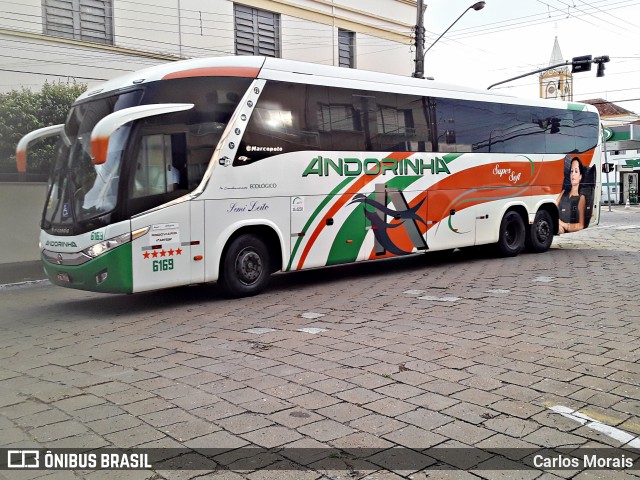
620	182
90	41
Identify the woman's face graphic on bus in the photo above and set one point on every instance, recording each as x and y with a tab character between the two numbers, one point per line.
575	173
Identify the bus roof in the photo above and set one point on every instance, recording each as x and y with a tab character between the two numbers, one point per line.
303	72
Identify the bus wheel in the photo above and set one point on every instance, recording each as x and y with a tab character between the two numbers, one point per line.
246	267
512	234
541	233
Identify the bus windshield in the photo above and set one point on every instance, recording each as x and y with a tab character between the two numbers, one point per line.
78	189
166	155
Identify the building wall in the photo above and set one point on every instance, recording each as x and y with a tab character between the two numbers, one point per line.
36	59
147	33
626	162
25	15
22	205
154	29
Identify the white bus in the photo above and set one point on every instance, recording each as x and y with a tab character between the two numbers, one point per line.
229	169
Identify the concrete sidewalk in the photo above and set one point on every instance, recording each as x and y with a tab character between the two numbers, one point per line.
21	272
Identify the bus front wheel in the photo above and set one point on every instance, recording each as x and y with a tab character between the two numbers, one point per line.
512	234
246	267
540	233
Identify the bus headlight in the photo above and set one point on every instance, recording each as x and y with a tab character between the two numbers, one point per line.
102	247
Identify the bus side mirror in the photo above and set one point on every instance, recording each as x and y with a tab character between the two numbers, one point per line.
104	128
23	145
607	167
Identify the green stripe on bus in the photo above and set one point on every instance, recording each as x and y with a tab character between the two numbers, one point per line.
353	228
577	107
317	211
450	157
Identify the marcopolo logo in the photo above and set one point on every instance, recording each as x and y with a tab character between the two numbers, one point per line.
252	148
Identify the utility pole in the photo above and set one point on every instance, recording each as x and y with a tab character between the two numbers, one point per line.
419	70
606	162
420	50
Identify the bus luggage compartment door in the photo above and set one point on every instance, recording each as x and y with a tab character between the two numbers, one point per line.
322	234
452	224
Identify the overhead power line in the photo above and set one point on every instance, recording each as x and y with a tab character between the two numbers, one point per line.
53	74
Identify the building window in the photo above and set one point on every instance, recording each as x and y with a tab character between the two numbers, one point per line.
257	31
87	20
346	48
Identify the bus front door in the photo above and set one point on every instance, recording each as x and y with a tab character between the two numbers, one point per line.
162	257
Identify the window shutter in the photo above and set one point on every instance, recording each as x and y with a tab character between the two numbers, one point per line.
268	34
96	21
59	18
89	20
244	30
346	49
257	32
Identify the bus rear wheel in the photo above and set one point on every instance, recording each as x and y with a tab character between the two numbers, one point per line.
540	233
245	267
512	234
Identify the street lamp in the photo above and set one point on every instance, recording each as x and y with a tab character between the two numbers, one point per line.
419	71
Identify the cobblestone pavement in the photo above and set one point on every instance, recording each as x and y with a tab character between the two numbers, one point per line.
463	350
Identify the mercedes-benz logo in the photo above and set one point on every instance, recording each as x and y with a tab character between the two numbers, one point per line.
59	259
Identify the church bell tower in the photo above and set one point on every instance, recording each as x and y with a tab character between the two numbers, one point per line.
557	83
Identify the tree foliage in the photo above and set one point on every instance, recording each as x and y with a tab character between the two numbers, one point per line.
22	111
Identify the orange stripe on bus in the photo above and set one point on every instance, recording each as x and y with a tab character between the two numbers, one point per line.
246	72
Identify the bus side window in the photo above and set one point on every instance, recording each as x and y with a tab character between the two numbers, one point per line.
150	167
586	127
414	115
559	132
160	165
288	117
446	125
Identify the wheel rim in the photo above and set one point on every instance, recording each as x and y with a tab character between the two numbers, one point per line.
511	233
248	266
543	231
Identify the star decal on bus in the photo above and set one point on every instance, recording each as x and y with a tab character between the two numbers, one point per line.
162	253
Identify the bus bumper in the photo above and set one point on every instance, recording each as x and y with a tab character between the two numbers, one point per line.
108	273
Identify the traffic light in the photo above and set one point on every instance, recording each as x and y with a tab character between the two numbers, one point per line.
581	64
601	61
607	167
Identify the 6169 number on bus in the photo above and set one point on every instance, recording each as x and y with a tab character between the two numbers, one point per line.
162	265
